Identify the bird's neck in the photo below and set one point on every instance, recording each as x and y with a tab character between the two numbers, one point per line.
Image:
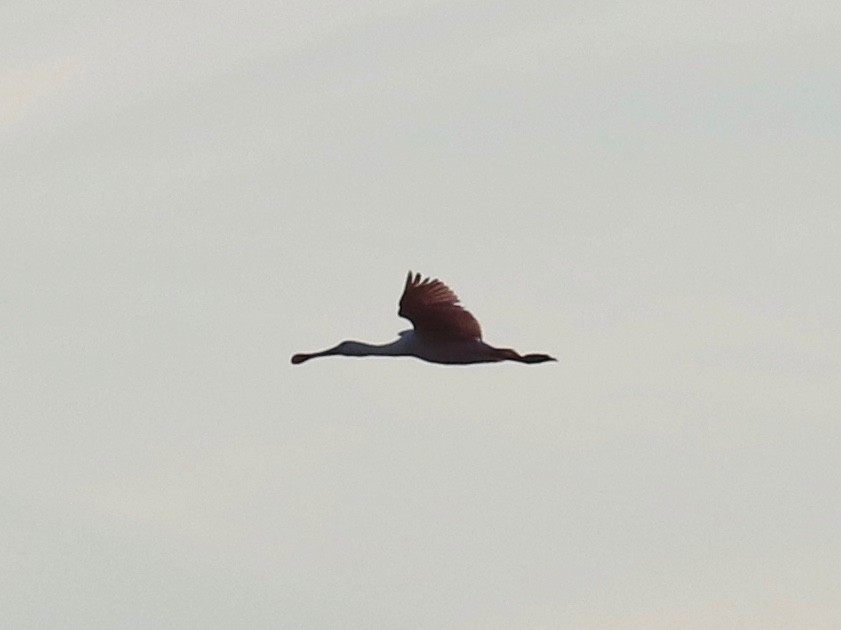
360	349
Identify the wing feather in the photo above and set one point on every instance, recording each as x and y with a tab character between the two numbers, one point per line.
434	311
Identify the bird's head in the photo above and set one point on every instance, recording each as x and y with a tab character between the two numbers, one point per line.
345	348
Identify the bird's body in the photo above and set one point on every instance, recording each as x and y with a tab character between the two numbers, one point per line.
444	332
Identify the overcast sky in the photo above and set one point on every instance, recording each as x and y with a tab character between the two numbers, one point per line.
191	193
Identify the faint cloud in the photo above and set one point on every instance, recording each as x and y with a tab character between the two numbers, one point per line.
22	90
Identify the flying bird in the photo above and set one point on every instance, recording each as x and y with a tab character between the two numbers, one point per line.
444	332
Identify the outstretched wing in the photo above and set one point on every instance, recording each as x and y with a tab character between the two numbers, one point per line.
434	311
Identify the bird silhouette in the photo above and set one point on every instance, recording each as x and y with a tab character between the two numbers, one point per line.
444	332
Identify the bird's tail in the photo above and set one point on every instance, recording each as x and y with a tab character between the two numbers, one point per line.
536	358
507	354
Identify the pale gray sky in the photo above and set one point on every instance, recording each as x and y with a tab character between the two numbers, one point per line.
191	193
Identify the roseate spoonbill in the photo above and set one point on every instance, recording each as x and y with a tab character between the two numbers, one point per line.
444	332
